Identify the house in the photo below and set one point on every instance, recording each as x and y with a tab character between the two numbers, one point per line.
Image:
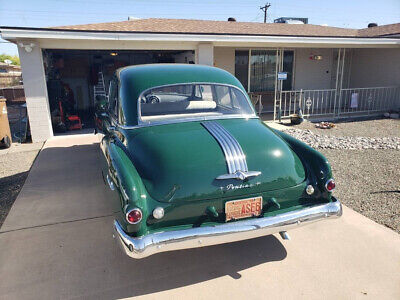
324	71
9	74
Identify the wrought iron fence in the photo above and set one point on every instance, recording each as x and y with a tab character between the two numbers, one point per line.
333	103
311	102
368	100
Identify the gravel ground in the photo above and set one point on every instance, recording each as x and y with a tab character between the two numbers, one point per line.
14	168
368	181
321	141
370	128
365	159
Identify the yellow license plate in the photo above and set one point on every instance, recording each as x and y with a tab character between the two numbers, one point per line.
245	208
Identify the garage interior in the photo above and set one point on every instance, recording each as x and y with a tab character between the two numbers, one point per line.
75	78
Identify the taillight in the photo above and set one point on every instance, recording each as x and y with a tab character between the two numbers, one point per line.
134	216
330	185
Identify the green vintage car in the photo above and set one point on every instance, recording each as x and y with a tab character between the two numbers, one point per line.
192	165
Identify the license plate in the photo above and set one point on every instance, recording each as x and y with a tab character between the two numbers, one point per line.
245	208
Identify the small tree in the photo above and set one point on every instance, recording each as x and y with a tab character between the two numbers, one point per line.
14	58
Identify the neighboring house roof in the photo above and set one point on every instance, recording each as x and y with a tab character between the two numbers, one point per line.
10	67
384	30
232	28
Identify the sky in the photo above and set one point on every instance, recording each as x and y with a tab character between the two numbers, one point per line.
339	13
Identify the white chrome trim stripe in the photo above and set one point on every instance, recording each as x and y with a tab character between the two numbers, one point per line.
234	155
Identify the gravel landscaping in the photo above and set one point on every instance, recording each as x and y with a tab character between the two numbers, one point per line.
321	141
368	128
14	168
368	181
365	159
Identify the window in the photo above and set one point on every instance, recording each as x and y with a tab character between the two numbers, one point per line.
263	64
113	98
242	67
263	70
288	59
175	102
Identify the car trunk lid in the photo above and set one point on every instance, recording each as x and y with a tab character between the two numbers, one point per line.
180	162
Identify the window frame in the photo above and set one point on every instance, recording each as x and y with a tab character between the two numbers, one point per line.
114	88
249	50
143	123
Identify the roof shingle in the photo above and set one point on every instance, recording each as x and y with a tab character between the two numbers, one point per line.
214	27
154	25
384	30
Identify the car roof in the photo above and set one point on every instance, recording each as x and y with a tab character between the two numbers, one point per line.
136	79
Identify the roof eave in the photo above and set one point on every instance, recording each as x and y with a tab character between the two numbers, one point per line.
21	33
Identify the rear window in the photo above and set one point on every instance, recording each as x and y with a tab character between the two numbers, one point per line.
174	102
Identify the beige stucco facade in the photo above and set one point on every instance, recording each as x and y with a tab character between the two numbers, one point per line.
375	62
224	58
36	93
375	67
313	74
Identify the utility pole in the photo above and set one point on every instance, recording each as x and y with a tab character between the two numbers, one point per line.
265	9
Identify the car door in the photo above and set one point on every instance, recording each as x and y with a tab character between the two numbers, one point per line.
108	129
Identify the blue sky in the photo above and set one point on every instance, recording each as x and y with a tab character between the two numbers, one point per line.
340	13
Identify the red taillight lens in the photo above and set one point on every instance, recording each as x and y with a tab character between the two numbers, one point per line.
134	216
330	185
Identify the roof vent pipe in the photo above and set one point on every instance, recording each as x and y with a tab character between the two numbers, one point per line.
372	25
231	19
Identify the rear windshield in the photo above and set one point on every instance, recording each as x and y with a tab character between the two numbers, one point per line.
192	100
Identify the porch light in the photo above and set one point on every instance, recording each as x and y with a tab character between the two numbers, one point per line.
113	53
316	57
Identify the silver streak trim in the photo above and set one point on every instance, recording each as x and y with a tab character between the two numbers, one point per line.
235	158
225	233
239	175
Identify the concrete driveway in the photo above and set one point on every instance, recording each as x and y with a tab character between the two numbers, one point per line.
56	243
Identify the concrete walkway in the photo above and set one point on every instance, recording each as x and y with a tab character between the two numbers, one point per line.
56	243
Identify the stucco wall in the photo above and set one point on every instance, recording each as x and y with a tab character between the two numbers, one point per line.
224	58
313	74
205	54
375	67
36	93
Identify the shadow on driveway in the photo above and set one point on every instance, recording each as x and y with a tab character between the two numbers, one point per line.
57	240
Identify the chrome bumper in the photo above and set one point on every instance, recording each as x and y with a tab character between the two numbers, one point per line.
219	234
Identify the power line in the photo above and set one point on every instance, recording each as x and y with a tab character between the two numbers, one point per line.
265	9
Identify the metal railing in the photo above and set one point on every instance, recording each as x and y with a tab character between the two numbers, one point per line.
311	102
333	103
368	100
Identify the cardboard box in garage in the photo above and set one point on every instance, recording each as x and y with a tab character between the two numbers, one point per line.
5	134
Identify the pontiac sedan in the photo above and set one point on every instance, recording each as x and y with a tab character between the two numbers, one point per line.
192	165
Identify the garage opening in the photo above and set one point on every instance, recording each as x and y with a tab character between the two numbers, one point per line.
76	78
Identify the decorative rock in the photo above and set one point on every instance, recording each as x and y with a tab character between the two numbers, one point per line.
343	142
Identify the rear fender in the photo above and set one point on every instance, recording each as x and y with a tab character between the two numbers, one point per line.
130	187
313	160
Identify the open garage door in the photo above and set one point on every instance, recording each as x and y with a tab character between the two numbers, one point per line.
75	77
